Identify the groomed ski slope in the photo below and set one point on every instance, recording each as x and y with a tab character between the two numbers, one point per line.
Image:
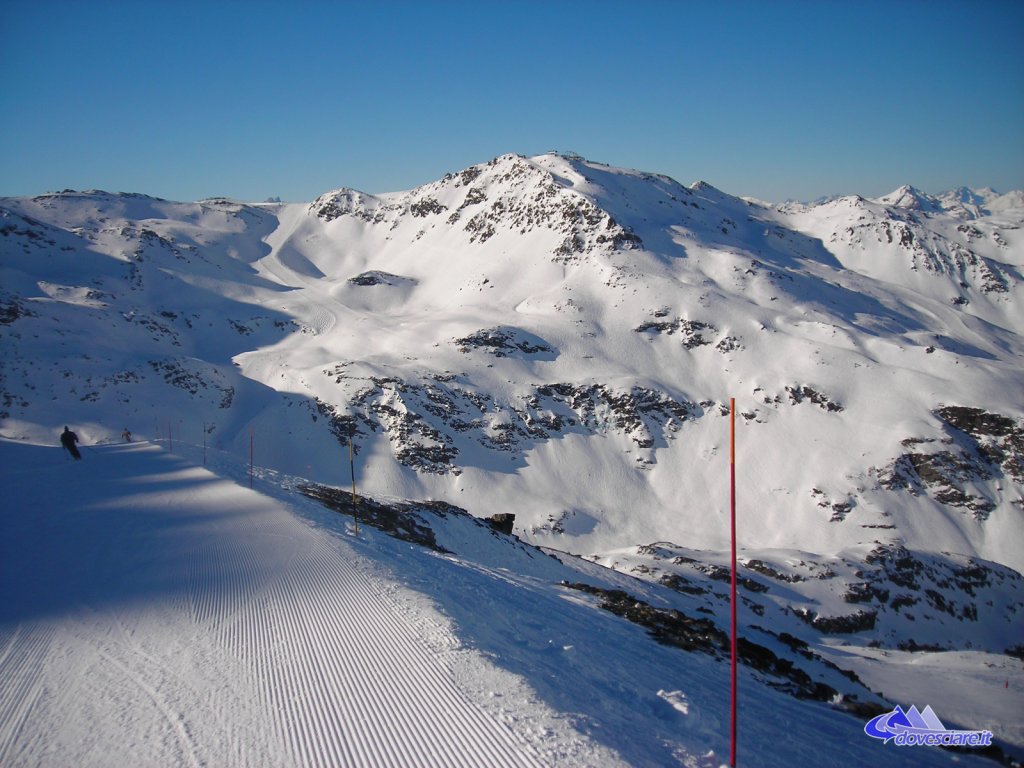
153	613
174	618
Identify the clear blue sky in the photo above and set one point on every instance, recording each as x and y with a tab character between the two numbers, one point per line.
186	100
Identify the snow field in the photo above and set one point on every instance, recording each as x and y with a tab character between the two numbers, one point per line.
211	627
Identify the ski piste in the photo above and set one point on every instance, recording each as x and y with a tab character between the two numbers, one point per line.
243	627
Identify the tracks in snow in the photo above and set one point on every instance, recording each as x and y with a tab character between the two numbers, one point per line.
347	682
258	640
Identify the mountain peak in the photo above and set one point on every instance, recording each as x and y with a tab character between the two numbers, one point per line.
968	196
961	202
703	186
911	198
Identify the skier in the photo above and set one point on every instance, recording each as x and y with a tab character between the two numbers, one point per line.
68	440
127	435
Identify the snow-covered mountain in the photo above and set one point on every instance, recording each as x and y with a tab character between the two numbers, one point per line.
558	339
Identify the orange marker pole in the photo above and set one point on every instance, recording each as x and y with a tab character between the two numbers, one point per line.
732	519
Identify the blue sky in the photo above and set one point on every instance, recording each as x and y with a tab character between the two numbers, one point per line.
777	100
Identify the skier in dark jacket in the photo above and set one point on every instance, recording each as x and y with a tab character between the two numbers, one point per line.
68	440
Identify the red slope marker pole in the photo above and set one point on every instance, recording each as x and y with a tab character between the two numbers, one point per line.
732	599
352	469
250	457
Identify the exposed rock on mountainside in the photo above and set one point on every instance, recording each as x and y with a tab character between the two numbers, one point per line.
428	421
501	342
889	597
998	438
979	447
508	194
376	277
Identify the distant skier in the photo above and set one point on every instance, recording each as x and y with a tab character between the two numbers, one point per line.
68	440
127	435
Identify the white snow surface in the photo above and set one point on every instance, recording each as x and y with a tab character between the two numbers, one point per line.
156	613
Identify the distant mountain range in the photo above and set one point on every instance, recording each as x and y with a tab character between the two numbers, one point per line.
559	339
